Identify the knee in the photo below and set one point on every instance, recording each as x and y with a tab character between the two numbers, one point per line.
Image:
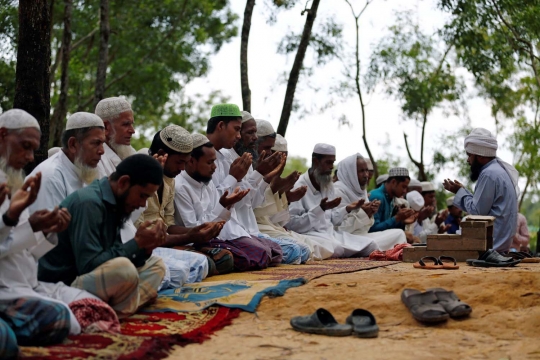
159	267
52	323
123	270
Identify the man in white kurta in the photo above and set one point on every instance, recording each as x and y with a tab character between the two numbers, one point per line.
176	144
351	186
118	119
273	214
313	214
197	201
31	237
252	137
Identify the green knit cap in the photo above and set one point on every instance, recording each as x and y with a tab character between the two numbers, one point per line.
225	110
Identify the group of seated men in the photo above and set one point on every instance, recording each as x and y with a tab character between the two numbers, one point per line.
98	221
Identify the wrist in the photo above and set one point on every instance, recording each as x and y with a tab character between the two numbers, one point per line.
8	220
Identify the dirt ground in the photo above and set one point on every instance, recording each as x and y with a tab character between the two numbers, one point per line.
504	324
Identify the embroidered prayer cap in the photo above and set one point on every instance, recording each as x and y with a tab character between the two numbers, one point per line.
177	138
416	201
15	119
199	140
52	151
381	179
280	144
398	171
324	149
264	128
369	164
246	116
81	120
225	110
143	151
450	201
427	186
415	183
110	108
481	142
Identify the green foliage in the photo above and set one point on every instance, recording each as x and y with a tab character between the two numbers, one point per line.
325	42
295	163
497	41
155	48
413	70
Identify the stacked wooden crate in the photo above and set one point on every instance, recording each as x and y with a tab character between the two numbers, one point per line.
476	237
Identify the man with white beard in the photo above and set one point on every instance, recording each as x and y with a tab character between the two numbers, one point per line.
36	312
118	119
353	179
75	165
312	215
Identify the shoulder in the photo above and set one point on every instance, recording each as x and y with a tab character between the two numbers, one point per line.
85	198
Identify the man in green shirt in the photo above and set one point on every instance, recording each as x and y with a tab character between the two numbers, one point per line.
90	254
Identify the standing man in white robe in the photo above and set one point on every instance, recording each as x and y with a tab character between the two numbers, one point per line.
313	214
353	179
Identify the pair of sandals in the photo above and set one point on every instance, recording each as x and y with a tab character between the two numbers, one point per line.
525	257
442	262
492	258
434	305
360	323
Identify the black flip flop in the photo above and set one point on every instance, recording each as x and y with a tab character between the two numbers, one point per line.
321	322
424	306
363	323
451	303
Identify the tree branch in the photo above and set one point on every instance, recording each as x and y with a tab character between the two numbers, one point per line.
141	60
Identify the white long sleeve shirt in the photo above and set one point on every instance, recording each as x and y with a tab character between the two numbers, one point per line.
253	181
58	179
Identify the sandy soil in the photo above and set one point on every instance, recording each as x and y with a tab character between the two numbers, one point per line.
505	323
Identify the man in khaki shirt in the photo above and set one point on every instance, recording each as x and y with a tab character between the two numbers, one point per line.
173	146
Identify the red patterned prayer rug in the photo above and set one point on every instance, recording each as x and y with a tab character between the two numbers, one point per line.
144	336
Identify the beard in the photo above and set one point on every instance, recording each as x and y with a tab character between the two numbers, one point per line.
200	178
121	208
14	177
241	149
86	173
324	180
476	169
123	151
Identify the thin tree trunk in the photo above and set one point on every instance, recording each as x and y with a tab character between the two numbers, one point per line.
244	80
359	88
421	171
32	86
524	193
297	66
60	110
104	32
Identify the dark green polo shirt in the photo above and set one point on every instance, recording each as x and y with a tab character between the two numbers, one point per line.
92	238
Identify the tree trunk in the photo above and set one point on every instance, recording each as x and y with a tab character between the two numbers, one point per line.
104	32
244	80
60	110
32	86
297	66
